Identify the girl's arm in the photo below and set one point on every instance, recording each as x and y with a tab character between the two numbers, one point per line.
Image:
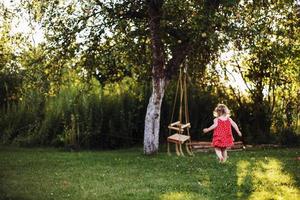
234	125
212	127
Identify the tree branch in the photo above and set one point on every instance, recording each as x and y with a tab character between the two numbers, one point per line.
243	77
179	53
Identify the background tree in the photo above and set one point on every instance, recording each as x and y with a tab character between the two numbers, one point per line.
105	34
266	49
10	47
99	61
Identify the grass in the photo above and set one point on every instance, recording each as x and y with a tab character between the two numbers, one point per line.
27	174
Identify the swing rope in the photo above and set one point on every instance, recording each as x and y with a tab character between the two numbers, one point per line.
183	113
175	100
182	125
187	119
182	86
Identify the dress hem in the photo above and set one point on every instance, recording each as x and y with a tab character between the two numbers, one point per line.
222	146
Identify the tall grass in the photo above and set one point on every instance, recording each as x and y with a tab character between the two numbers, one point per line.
92	116
108	117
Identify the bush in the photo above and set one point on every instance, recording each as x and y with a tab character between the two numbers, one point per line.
289	137
106	118
110	117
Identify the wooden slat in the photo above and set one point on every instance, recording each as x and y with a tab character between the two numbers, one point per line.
175	123
174	141
188	125
175	128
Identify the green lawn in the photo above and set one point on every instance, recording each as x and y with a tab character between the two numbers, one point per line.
127	174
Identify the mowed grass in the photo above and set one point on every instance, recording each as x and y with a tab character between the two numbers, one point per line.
127	174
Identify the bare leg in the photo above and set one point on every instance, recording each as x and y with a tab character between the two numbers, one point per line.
219	154
224	154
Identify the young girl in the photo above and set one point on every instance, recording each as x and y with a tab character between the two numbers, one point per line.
222	138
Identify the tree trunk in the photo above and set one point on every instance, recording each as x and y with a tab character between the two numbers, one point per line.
152	119
161	74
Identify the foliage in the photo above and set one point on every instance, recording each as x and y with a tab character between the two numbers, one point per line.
112	38
9	78
76	117
266	48
87	84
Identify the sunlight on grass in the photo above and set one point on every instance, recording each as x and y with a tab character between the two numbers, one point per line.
244	179
205	181
242	171
125	174
268	180
177	196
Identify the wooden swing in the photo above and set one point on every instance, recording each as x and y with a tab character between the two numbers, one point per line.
182	135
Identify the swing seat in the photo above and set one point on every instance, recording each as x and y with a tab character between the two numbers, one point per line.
178	140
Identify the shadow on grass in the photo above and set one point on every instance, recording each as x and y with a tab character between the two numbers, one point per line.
208	179
257	177
5	196
244	179
260	174
266	177
270	181
291	164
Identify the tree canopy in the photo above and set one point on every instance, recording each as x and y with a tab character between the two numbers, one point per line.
146	41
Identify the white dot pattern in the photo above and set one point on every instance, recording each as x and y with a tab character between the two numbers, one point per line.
222	134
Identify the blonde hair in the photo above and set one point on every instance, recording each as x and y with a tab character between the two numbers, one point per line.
221	109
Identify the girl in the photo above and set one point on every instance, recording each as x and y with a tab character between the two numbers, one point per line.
222	138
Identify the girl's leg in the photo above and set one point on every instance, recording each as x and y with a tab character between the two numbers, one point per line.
219	154
224	154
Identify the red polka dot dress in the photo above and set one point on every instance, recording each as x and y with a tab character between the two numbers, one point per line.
222	136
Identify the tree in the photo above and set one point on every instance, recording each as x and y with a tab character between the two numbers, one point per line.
10	77
266	57
112	39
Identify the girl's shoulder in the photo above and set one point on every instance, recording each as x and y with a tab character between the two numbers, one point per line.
223	118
